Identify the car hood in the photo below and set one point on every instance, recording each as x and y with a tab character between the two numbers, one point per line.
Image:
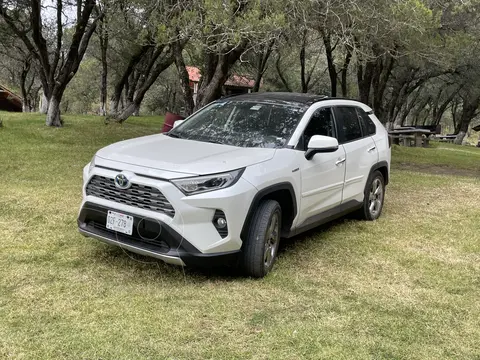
162	152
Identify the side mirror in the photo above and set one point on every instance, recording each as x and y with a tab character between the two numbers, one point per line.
176	123
321	144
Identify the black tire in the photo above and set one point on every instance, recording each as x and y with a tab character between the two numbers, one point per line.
256	260
368	211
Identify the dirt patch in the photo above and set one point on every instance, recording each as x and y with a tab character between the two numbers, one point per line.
437	169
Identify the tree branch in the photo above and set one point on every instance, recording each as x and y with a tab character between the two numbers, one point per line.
59	35
40	42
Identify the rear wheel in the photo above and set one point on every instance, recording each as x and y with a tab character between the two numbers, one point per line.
374	197
261	246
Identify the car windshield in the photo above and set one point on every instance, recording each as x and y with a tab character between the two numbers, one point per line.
243	124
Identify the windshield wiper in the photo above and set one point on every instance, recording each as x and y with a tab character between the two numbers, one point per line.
176	136
214	142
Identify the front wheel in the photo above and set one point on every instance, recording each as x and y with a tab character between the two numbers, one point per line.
374	197
261	246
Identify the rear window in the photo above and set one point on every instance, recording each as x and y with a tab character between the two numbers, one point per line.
349	124
367	123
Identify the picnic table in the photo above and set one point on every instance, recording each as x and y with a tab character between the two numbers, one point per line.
446	138
405	136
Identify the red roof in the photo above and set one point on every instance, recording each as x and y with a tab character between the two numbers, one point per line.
9	101
234	80
241	81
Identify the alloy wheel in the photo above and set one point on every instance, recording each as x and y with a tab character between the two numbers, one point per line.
272	239
375	200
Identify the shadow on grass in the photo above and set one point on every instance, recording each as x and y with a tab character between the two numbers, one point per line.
121	259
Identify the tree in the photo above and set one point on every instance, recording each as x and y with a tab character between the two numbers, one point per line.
226	30
57	63
159	30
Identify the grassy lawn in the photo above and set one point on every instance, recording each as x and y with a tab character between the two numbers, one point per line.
406	286
440	156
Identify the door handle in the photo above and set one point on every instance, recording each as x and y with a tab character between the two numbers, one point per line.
371	149
340	162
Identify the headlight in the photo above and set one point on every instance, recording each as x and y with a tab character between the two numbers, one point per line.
202	184
92	165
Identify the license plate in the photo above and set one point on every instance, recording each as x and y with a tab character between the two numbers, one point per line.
120	222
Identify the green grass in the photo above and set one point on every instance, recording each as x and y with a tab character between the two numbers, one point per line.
439	155
406	286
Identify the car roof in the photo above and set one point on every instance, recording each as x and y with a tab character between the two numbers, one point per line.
279	97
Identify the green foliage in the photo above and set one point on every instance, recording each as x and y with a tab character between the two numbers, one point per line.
228	23
82	95
164	95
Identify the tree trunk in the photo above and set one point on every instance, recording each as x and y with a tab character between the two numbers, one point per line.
280	74
437	118
23	84
384	70
53	113
136	112
210	88
470	107
129	110
258	78
165	60
346	63
116	97
453	111
397	92
187	91
420	109
364	79
103	86
261	66
332	70
43	104
115	102
303	80
409	106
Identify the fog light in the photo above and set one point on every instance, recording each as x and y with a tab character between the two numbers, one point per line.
221	223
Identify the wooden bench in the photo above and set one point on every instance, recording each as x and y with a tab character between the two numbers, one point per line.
446	138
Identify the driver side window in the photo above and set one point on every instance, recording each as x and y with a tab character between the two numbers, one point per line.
321	123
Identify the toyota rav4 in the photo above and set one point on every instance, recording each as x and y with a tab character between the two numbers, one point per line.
226	184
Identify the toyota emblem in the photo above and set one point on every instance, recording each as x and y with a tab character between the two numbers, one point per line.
122	182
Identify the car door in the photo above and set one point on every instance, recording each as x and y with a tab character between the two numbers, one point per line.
360	149
322	177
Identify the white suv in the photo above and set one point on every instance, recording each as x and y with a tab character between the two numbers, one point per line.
227	183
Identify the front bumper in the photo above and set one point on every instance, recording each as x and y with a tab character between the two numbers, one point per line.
187	238
150	238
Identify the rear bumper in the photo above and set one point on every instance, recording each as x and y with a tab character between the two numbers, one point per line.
150	237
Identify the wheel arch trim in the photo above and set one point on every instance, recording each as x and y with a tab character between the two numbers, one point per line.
260	195
380	165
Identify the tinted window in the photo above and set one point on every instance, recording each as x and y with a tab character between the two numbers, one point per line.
321	123
242	123
348	123
367	124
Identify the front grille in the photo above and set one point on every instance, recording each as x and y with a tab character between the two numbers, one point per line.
140	196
